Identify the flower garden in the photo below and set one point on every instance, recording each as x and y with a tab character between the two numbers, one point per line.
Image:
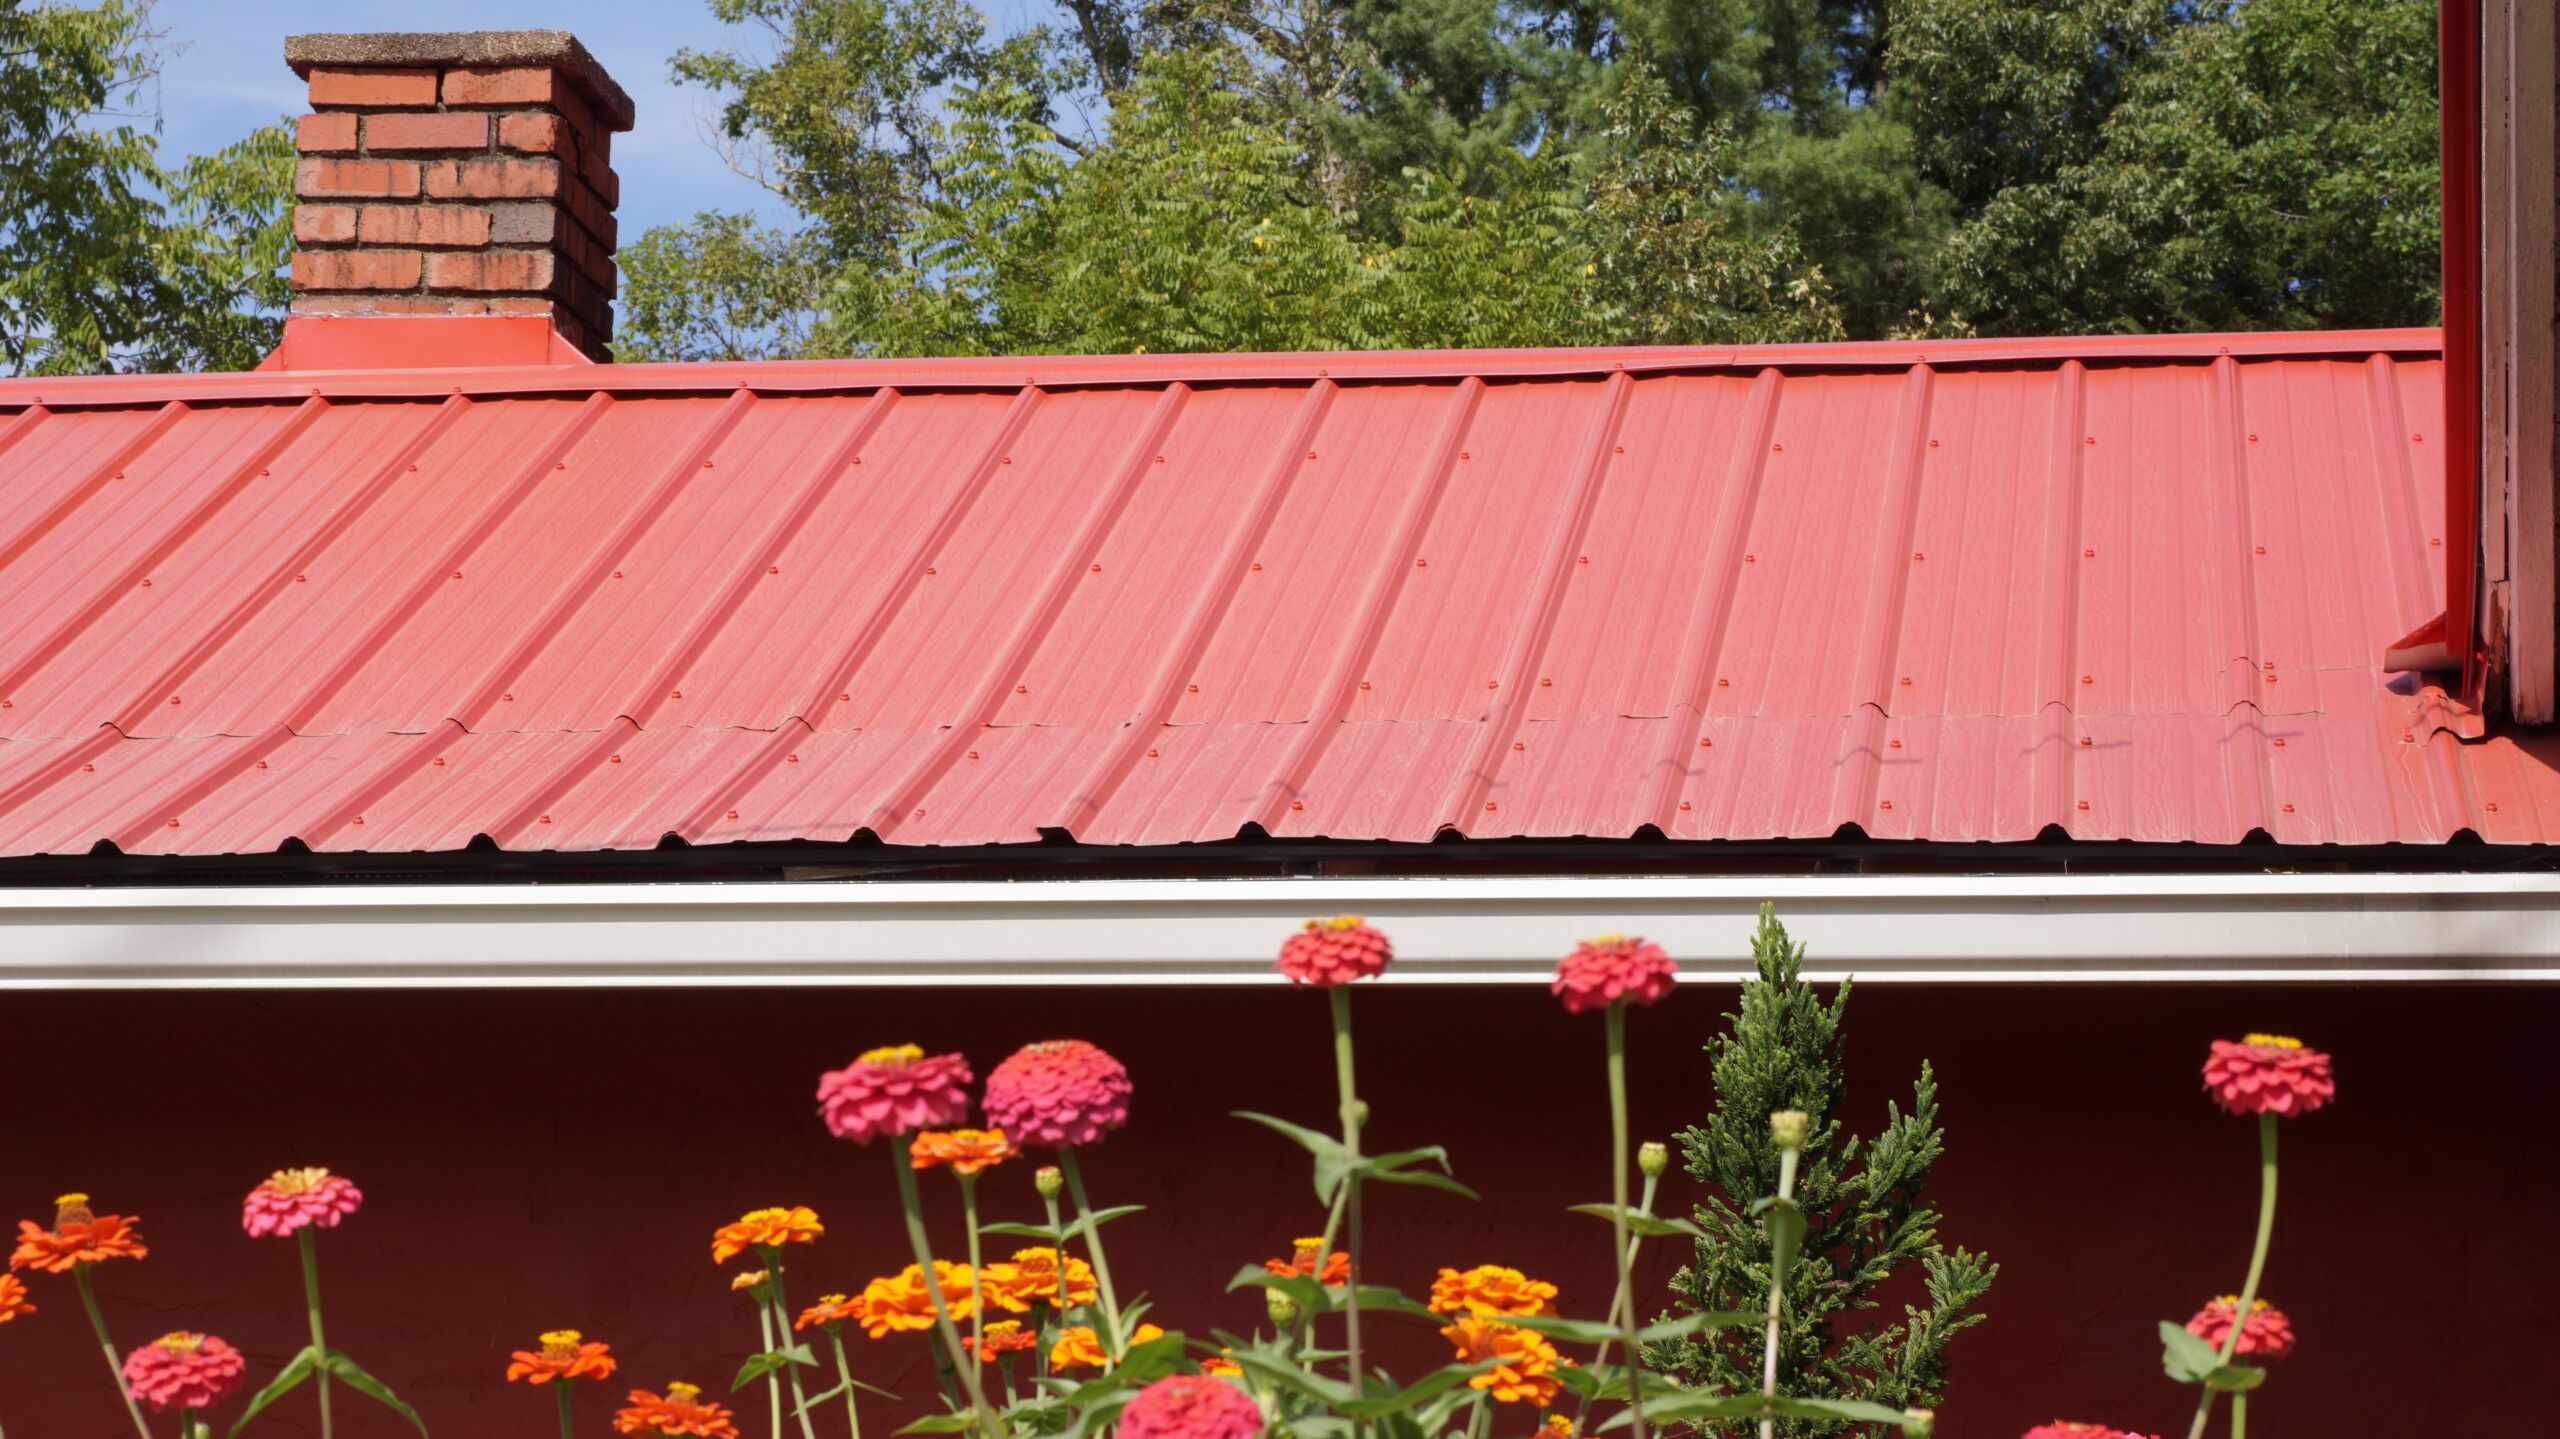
1028	1335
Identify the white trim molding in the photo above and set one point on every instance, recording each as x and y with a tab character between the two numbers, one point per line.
2079	929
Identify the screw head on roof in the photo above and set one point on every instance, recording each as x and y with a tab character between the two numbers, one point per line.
1751	559
1022	689
2491	806
2084	740
1493	684
1364	684
173	824
1684	806
1421	564
1706	742
1582	559
973	754
546	819
1297	804
2088	439
2288	809
733	814
1257	566
930	570
2262	549
2084	804
1097	569
1917	557
1151	754
1462	454
2088	680
1884	804
88	769
773	569
617	759
2279	742
1519	747
1775	448
2088	554
1893	744
359	819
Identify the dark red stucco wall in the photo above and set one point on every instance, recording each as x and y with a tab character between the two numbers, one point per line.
541	1160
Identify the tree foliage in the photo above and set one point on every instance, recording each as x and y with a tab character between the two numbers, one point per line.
1198	174
110	258
1864	1201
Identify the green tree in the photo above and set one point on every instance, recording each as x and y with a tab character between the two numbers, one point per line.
1865	1204
107	257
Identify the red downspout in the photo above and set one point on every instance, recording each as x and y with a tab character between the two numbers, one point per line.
2459	116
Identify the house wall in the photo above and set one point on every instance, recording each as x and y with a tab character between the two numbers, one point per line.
534	1160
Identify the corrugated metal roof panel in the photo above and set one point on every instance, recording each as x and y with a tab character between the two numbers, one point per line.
2129	589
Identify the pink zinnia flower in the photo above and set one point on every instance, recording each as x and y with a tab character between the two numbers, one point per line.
2268	1074
1334	951
2266	1331
2065	1429
183	1371
291	1198
894	1091
1059	1091
1612	969
1190	1406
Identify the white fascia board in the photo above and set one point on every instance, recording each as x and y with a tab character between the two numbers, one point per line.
2078	929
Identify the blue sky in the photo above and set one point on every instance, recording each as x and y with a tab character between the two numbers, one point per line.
227	75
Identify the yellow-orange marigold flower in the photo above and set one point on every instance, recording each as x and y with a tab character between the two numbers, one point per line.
966	1150
565	1355
1005	1336
1032	1278
1490	1291
680	1414
77	1237
1302	1263
830	1311
900	1302
1078	1347
1526	1371
765	1229
13	1298
1557	1427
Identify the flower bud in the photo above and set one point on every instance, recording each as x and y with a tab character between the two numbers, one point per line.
1652	1158
1049	1181
1360	1113
1284	1310
1787	1127
1916	1423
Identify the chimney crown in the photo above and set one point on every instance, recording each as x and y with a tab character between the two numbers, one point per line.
458	174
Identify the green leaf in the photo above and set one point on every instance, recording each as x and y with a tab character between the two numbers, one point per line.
1305	1292
354	1377
278	1387
940	1424
1330	1391
1041	1232
1592	1331
1445	1377
1332	1160
1100	1217
2186	1356
760	1365
1423	1177
1754	1406
1651	1226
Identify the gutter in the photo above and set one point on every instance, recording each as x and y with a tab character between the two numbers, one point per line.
2108	929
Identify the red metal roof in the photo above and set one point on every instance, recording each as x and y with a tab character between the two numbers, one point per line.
1954	591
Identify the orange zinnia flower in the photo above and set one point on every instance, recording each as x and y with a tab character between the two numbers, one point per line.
680	1413
1032	1277
765	1229
1526	1373
77	1237
13	1298
1490	1291
755	1279
1078	1347
1301	1263
966	1150
1005	1336
563	1358
900	1302
830	1311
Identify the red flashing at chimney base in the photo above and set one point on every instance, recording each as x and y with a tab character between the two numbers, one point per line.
463	174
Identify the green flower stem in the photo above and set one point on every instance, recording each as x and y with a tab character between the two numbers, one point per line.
98	1322
2257	1267
782	1327
1644	1206
2239	1416
772	1385
561	1390
1343	1080
1324	1246
1113	1341
977	1266
1052	1316
1477	1416
932	1286
1788	1158
844	1371
310	1239
1625	1254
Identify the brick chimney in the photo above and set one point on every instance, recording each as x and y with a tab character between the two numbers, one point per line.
458	174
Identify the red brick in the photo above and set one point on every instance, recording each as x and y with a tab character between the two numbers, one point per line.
369	89
518	270
433	226
534	131
324	224
325	134
356	270
537	223
519	85
493	179
356	179
426	132
588	209
607	184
